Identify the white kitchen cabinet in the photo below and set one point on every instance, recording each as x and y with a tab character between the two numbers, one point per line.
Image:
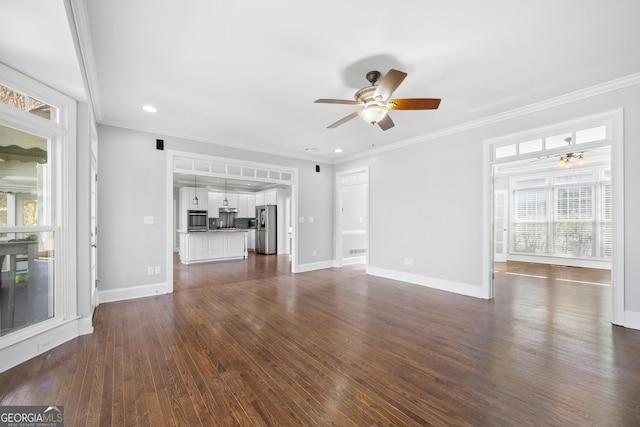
246	205
271	197
213	245
268	197
251	240
251	206
215	201
243	200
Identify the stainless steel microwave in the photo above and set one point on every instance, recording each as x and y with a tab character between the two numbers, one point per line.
197	220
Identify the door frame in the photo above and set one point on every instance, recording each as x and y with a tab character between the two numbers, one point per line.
93	220
171	157
615	120
338	260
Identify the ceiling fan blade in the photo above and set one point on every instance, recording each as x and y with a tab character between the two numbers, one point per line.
389	83
344	120
415	104
386	123
337	101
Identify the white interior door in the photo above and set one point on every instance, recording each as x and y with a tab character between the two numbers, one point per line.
500	222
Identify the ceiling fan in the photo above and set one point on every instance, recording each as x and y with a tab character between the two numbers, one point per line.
376	102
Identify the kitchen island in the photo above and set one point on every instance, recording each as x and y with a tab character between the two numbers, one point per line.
212	245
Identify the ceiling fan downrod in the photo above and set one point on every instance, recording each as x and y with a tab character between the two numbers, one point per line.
373	77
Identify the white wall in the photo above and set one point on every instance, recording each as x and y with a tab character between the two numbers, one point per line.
436	188
132	186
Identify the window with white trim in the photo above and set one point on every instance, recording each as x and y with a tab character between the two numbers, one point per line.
37	179
562	214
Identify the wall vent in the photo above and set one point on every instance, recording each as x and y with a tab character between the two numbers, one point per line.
357	251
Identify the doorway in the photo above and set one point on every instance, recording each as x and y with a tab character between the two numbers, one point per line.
244	173
352	217
550	209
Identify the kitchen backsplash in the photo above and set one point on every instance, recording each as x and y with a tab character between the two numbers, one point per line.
240	223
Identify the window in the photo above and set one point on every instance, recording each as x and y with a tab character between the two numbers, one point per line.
26	244
530	228
530	146
574	226
592	134
24	102
37	180
570	217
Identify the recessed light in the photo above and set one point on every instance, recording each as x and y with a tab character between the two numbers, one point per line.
149	109
338	150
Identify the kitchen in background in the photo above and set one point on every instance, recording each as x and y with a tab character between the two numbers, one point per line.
239	211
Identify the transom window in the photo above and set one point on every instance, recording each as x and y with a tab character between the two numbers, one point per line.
24	102
553	142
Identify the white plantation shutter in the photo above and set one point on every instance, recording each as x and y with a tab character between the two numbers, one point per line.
606	242
571	217
530	225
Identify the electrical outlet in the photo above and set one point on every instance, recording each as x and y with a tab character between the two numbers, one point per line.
157	270
149	271
314	253
149	219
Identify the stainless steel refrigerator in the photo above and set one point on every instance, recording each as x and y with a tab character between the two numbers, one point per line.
266	230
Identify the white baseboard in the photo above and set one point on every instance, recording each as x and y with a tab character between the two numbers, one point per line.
25	349
111	295
85	325
632	319
354	260
314	266
430	282
570	262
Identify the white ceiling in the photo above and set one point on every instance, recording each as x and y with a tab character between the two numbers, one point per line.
245	74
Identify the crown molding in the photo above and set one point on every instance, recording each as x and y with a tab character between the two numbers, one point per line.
623	82
256	148
80	17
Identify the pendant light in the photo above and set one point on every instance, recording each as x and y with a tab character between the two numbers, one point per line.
195	197
225	202
566	159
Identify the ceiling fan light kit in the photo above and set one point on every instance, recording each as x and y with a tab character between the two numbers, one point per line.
373	113
376	103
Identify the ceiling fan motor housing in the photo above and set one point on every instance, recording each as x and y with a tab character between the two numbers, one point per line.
365	94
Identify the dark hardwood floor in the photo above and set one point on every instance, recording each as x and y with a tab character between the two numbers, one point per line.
247	343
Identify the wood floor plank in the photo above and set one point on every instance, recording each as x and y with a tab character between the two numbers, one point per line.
246	343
